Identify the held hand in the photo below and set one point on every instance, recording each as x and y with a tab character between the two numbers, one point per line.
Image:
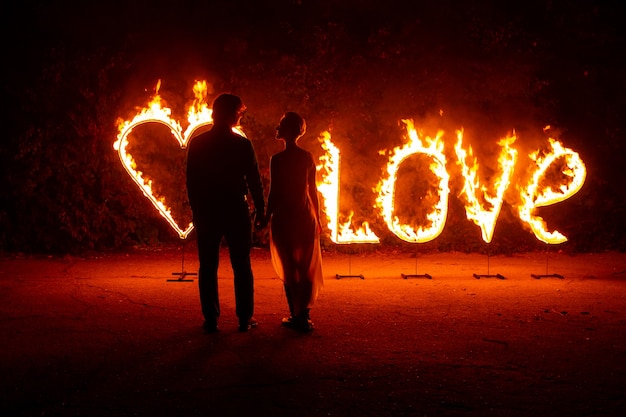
260	221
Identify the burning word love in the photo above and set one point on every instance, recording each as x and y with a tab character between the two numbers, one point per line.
482	206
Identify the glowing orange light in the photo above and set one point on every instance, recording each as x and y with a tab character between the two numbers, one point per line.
481	207
433	148
198	115
328	187
482	203
533	195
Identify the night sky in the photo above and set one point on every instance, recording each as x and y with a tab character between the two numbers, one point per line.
354	67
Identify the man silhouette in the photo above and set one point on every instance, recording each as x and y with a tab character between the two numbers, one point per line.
222	169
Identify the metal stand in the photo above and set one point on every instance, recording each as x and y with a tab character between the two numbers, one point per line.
339	276
416	275
488	275
183	274
546	275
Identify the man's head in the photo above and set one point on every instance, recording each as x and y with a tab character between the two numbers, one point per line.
228	108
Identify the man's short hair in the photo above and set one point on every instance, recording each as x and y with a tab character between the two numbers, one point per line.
226	105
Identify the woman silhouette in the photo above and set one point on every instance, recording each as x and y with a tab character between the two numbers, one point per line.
293	211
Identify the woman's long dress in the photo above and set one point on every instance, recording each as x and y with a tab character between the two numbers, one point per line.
294	235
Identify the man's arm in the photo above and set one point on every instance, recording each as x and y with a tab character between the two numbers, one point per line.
255	186
191	176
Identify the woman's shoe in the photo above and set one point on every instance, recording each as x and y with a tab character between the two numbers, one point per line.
300	324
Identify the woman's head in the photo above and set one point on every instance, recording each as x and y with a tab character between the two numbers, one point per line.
291	126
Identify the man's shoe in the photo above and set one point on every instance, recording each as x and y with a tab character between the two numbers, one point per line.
210	327
244	326
289	322
305	326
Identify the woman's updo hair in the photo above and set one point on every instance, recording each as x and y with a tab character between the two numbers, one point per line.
294	122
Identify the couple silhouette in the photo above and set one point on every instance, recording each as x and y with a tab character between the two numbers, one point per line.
222	170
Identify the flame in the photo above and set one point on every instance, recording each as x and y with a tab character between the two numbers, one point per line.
328	187
534	196
198	115
386	187
482	206
475	193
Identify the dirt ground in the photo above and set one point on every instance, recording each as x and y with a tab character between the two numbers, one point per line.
110	335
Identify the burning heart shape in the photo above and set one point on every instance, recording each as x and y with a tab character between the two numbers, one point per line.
199	115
